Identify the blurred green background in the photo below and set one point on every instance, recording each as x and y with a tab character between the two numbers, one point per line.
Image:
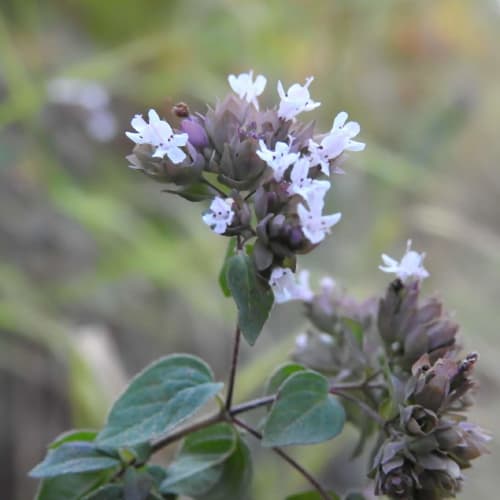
101	272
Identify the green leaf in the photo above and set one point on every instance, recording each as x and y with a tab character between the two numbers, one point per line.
230	251
312	495
235	478
157	473
106	492
71	458
280	375
70	486
158	399
136	484
252	295
303	413
73	435
195	470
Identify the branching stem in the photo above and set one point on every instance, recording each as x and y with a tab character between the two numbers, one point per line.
185	431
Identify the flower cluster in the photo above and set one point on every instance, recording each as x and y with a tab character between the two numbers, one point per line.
430	442
426	440
265	172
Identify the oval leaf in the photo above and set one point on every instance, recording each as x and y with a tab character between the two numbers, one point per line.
194	470
235	478
71	458
107	492
73	435
280	375
303	413
70	485
158	399
254	298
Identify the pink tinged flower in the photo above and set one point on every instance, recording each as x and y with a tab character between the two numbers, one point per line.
220	214
246	88
159	134
411	265
296	100
286	286
279	159
335	143
348	131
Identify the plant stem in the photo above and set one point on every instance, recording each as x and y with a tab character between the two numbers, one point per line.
183	432
230	412
234	365
287	458
366	408
266	400
250	405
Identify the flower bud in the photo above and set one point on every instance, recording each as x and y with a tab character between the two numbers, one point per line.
196	133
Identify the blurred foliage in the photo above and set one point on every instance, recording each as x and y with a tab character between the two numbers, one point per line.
85	242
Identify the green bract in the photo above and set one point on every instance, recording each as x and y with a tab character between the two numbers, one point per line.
159	399
304	412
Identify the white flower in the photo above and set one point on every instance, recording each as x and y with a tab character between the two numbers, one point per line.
314	224
335	143
301	184
158	133
220	214
411	265
246	88
279	159
296	100
286	287
349	130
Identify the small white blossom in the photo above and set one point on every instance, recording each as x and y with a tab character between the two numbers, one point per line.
335	143
158	133
316	226
279	159
296	100
246	88
287	287
411	265
301	184
220	214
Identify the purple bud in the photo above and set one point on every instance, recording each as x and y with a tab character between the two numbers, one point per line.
196	133
295	237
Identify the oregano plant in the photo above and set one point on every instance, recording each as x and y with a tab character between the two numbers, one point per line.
391	367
